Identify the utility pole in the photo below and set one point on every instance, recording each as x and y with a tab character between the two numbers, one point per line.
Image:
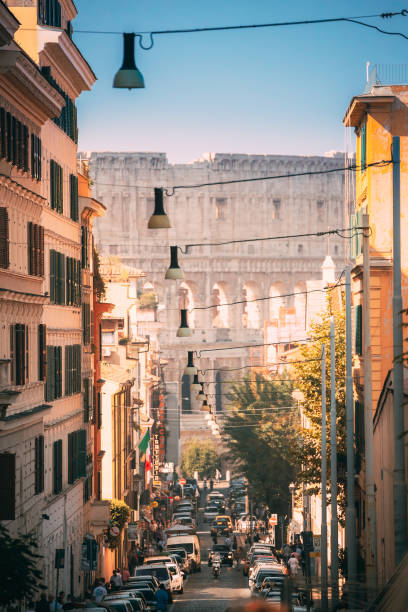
400	500
350	509
323	528
371	543
334	573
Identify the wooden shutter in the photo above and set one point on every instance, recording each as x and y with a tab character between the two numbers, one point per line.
4	238
99	410
30	247
14	141
9	137
20	145
67	370
68	280
52	184
25	148
50	384
41	251
73	179
71	475
57	466
86	400
42	352
53	276
26	354
81	435
358	330
363	146
20	352
7	487
3	134
13	354
39	465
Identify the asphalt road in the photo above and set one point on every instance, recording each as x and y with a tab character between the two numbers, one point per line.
202	592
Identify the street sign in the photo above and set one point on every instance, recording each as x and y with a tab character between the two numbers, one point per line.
273	520
182	481
132	532
114	531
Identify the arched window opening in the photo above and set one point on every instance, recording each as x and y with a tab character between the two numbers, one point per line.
220	313
251	318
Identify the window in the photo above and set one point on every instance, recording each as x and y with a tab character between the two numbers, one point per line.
84	248
276	208
320	210
53	386
42	352
35	249
99	410
72	369
73	282
19	354
300	248
57	466
76	455
14	140
359	426
7	487
57	277
220	208
108	338
35	157
67	120
88	488
356	240
87	400
39	465
73	183
86	323
4	238
56	187
358	323
49	13
363	146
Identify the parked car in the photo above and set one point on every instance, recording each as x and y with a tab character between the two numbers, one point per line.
159	571
150	579
177	577
221	526
138	604
182	554
224	551
191	544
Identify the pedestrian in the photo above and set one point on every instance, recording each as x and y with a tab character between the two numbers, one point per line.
99	593
227	541
57	603
43	605
132	561
30	607
211	484
235	543
115	580
162	598
205	485
293	565
125	575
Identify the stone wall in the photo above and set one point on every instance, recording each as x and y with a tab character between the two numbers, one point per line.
124	182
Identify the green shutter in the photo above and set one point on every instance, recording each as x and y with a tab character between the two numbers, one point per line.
81	435
57	466
363	146
52	277
358	330
59	371
86	400
71	476
42	351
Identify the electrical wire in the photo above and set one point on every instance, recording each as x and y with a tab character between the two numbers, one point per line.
232	348
270	365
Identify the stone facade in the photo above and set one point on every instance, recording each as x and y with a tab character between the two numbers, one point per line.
220	274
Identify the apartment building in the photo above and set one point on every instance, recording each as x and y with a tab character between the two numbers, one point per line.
43	342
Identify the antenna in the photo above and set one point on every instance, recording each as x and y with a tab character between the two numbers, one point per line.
367	71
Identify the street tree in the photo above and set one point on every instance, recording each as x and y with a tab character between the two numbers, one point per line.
201	457
20	577
309	381
260	432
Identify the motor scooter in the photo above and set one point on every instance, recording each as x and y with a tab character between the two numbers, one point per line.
216	566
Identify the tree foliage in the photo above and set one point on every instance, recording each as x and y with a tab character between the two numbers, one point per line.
19	574
310	384
261	433
201	457
119	515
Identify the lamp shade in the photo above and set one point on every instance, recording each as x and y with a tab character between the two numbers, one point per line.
201	395
174	272
205	407
190	368
128	76
183	331
159	219
196	385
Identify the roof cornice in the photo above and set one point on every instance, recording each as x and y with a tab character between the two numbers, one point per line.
360	105
8	25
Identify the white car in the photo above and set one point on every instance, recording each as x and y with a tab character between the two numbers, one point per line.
177	577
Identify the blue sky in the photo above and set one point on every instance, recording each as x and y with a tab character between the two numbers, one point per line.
278	91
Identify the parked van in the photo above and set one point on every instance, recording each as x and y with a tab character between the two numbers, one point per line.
191	545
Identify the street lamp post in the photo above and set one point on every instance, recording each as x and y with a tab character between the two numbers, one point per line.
292	492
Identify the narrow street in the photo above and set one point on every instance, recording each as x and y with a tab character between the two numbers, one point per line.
202	591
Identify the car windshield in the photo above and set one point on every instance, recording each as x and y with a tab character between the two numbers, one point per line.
161	573
220	548
148	594
180	552
188	546
265	574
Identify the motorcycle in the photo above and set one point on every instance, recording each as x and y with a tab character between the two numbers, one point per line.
216	566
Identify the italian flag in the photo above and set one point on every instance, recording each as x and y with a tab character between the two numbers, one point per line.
143	445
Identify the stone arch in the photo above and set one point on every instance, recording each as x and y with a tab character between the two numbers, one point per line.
275	305
251	313
220	315
299	303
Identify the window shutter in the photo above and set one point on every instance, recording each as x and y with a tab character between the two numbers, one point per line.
42	352
68	281
41	251
7	486
358	330
52	184
9	137
14	141
4	238
36	249
26	354
30	247
86	400
39	465
20	145
59	371
81	453
99	410
13	354
67	370
20	353
71	476
25	148
3	134
57	466
74	196
363	146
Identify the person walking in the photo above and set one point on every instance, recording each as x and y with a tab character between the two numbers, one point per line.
43	605
162	598
99	593
125	575
211	484
293	565
116	580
